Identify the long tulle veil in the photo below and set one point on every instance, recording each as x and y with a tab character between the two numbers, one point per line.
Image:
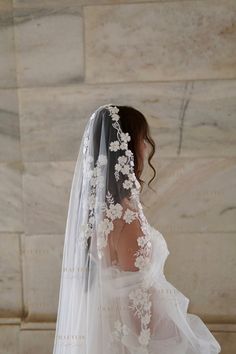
114	297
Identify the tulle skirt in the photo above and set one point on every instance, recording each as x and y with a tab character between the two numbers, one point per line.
173	329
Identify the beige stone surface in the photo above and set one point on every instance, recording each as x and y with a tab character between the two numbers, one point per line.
160	41
202	266
193	195
9	123
49	43
53	119
46	196
11	213
9	339
227	341
7	48
209	124
10	275
42	260
36	342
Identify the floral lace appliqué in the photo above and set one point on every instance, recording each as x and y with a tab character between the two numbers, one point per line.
140	302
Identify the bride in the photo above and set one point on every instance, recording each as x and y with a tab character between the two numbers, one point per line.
114	297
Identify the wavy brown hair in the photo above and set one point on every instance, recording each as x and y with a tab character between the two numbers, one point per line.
134	122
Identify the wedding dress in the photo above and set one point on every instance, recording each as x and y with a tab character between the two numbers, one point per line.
116	300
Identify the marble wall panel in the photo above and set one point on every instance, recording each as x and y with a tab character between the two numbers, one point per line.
209	122
36	342
7	47
42	260
193	195
227	341
9	126
46	196
160	41
49	43
9	339
53	119
202	266
11	211
10	275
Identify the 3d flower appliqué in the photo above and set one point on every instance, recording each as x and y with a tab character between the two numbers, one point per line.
129	216
114	145
120	330
127	184
141	304
115	211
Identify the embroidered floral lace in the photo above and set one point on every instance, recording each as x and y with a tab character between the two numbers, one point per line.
114	297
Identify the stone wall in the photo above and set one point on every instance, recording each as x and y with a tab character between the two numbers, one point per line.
173	60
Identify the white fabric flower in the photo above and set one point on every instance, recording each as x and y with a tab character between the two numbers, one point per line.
105	226
146	319
144	336
114	111
141	262
128	153
115	211
122	160
101	242
125	330
127	184
115	117
125	169
142	241
132	176
123	146
125	137
102	159
114	145
117	167
92	201
129	216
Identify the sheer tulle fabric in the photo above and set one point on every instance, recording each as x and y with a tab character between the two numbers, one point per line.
105	307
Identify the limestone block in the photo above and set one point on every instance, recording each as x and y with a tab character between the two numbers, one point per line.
193	195
36	342
53	119
7	49
9	339
209	124
11	211
42	260
10	276
9	122
202	266
160	41
46	196
49	43
227	341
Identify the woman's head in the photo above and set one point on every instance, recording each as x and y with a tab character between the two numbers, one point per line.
133	122
104	134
